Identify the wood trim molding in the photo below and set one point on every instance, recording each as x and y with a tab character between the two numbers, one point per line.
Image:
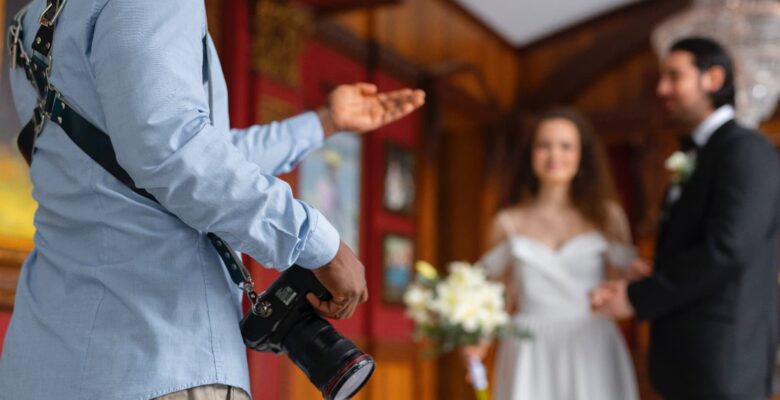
11	260
360	50
322	7
481	23
625	12
611	45
364	51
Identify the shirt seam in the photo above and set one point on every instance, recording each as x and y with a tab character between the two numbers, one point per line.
208	309
89	339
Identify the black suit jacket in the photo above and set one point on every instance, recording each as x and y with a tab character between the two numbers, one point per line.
711	300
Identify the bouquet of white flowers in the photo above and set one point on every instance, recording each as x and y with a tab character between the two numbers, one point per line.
463	309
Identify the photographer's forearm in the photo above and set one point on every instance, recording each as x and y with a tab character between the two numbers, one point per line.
279	146
329	127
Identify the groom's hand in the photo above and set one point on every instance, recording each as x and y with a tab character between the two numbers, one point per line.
639	269
611	299
360	107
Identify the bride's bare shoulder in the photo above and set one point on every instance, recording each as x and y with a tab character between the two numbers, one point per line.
505	223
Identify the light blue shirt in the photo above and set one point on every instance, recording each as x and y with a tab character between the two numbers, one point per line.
124	298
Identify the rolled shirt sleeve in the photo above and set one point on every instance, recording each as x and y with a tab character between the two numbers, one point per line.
147	60
279	146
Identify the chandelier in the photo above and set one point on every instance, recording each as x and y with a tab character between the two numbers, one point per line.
750	31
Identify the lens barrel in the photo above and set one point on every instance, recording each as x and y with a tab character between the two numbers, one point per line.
333	363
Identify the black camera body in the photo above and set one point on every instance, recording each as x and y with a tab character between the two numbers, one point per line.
282	320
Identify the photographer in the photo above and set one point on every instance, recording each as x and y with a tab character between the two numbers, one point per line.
123	297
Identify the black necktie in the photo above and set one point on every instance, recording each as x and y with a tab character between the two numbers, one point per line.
687	143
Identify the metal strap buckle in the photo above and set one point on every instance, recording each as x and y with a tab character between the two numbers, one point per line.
51	99
49	21
39	118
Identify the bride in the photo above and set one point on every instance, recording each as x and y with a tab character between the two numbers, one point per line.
555	242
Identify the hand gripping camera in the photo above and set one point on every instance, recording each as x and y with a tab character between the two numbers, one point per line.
282	320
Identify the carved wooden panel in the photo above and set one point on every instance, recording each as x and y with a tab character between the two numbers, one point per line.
11	259
435	32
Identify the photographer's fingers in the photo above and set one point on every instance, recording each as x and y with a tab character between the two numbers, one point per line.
328	309
334	308
348	311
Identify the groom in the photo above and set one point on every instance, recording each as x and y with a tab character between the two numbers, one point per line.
711	298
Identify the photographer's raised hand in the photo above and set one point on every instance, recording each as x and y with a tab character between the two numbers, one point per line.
360	107
345	279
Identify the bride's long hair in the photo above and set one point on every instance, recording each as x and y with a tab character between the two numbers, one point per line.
592	188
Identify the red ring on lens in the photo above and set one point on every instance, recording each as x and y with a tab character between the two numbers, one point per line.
337	377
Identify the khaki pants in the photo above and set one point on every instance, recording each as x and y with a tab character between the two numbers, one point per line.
207	392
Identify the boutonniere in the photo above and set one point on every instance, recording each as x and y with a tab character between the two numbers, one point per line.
681	165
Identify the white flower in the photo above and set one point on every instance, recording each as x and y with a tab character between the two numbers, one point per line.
681	165
418	301
676	162
465	301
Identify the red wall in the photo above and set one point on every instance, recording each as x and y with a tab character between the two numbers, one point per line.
5	319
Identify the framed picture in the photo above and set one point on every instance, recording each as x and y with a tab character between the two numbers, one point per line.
397	265
329	180
399	185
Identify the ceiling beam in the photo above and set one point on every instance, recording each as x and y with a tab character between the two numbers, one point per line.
625	31
487	28
334	6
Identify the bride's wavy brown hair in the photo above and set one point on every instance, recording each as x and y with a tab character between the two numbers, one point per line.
592	188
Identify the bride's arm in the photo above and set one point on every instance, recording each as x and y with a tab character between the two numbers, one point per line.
496	262
621	258
499	267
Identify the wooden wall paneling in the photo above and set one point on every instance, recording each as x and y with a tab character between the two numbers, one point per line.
436	47
403	37
333	6
214	14
592	50
455	36
460	230
355	21
359	50
12	255
771	128
630	82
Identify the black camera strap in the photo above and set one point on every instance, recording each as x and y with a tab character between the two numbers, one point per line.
51	106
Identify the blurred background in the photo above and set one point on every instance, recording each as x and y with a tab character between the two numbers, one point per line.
427	186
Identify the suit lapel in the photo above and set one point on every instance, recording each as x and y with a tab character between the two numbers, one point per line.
674	213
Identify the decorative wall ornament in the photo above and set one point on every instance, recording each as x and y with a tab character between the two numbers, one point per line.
279	33
272	109
750	32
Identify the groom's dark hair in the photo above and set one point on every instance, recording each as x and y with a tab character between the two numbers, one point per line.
707	53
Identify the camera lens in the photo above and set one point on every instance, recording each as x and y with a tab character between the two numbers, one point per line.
347	383
333	363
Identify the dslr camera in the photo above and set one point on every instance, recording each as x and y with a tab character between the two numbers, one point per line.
282	321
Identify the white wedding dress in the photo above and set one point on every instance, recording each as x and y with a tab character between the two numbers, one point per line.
573	354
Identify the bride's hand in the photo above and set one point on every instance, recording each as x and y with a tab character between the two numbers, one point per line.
479	351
